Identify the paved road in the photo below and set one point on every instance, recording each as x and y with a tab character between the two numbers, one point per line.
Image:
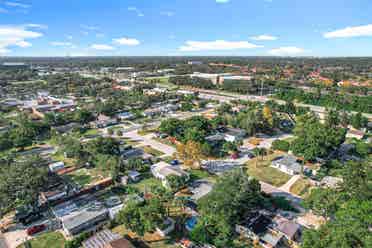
2	241
270	189
147	140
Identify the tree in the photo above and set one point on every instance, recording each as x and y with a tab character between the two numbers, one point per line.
332	118
323	202
280	145
232	197
348	208
315	139
142	217
358	121
224	108
268	116
102	145
83	116
190	153
110	131
119	133
21	181
176	182
172	127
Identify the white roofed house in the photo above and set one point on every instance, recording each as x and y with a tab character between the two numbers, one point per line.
162	170
234	134
125	116
287	164
55	167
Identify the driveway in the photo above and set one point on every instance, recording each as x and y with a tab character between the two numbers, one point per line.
287	186
2	241
274	191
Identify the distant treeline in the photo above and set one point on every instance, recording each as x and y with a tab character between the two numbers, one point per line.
334	100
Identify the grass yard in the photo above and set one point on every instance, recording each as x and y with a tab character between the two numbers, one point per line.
48	240
201	174
84	177
91	132
261	170
68	161
152	151
301	187
130	142
147	184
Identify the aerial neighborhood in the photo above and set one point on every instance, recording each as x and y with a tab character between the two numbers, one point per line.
213	152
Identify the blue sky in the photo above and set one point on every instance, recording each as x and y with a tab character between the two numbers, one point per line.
186	27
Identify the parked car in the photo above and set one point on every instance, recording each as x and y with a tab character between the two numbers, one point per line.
35	229
174	162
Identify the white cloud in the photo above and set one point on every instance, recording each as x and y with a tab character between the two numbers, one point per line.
17	5
102	47
348	32
264	37
192	46
16	36
61	43
127	41
23	44
287	51
138	12
222	1
167	13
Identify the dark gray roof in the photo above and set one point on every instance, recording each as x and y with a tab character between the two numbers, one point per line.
83	216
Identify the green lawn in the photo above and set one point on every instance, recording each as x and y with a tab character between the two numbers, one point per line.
147	184
201	174
48	240
84	177
261	170
90	132
300	187
152	151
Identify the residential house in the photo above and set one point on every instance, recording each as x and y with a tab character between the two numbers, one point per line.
101	239
354	133
331	182
55	167
162	169
123	116
234	134
120	243
82	214
218	167
103	121
66	128
270	231
287	164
